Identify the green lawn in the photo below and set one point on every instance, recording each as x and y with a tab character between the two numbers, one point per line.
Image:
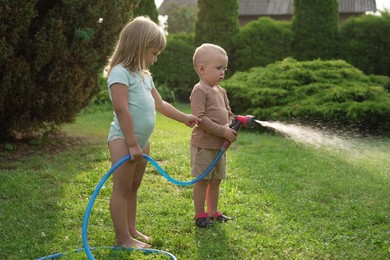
288	201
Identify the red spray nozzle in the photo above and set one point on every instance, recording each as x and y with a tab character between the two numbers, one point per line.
248	121
238	121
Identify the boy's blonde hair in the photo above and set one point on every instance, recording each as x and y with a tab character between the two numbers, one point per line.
204	52
135	38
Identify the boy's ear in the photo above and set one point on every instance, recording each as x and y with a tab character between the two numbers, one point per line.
200	68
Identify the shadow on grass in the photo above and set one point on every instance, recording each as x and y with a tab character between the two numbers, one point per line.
212	243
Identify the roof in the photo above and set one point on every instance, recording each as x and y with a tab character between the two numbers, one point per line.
357	6
265	7
280	7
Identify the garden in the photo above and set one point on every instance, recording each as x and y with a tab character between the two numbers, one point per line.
289	199
310	181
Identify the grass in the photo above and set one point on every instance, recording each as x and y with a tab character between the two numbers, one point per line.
288	201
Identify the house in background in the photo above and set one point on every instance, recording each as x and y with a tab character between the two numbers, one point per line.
250	10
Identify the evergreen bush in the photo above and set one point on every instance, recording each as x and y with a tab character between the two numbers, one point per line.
333	93
52	53
260	43
365	43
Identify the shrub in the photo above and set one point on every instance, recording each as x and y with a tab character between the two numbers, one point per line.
333	93
174	69
260	43
51	57
365	43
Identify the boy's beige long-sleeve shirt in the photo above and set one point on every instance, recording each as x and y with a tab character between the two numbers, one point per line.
211	105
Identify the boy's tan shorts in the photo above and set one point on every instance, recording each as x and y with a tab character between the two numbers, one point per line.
200	160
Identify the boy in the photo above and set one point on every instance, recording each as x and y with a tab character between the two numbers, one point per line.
210	103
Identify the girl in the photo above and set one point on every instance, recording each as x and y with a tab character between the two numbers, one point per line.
135	100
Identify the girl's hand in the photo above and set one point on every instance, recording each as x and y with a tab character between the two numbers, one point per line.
230	134
191	120
135	152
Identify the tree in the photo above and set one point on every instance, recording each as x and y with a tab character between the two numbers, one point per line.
181	17
217	22
51	59
147	8
315	26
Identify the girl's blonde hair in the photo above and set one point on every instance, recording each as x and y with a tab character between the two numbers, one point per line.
135	38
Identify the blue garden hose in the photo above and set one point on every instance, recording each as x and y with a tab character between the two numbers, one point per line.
144	250
160	170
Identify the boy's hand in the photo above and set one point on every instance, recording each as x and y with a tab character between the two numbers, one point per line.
230	134
191	120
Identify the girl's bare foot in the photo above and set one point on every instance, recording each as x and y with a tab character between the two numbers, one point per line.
131	242
140	236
